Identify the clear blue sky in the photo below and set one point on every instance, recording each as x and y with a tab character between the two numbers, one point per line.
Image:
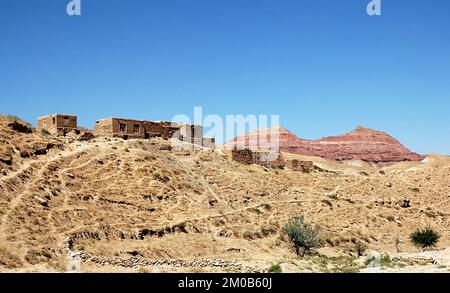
323	66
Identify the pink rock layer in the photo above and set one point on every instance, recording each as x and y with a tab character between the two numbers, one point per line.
360	144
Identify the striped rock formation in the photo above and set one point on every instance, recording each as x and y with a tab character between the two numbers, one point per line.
360	144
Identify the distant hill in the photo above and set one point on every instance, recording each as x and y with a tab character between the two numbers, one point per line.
360	144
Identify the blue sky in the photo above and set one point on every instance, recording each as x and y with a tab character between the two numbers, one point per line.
323	66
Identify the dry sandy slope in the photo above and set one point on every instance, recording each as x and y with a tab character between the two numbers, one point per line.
133	198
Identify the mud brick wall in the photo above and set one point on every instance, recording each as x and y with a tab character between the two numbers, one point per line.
269	159
103	127
209	143
57	123
112	127
243	156
166	130
302	166
192	134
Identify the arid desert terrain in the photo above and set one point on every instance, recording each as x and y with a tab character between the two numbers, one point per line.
113	205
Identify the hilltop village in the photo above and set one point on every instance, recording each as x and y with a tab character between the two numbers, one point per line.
62	124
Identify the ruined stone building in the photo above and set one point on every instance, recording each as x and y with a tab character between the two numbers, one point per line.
59	124
302	166
128	129
209	143
263	158
242	156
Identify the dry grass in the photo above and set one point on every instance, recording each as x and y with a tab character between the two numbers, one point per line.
121	196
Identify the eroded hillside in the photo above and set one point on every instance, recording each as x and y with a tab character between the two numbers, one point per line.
138	205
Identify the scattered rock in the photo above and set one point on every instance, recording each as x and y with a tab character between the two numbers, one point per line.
6	156
70	175
406	203
165	148
388	184
86	136
43	202
20	127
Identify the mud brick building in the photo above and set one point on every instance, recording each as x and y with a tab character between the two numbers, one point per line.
192	134
263	158
302	166
118	127
59	124
129	128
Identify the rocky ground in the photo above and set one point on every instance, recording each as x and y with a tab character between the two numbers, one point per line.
115	205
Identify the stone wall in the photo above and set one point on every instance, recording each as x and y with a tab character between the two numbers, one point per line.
242	156
302	166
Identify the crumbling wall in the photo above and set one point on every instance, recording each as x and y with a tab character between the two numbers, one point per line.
209	143
242	156
128	128
192	134
166	130
302	166
269	159
263	158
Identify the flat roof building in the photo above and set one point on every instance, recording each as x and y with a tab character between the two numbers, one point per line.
59	124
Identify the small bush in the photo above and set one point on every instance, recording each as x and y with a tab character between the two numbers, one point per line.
275	268
390	218
360	248
415	189
303	236
425	238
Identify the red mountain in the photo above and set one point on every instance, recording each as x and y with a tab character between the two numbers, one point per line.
362	143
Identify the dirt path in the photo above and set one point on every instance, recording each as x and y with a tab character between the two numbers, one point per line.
36	174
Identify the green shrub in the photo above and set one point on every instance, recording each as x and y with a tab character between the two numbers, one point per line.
303	236
425	237
275	268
